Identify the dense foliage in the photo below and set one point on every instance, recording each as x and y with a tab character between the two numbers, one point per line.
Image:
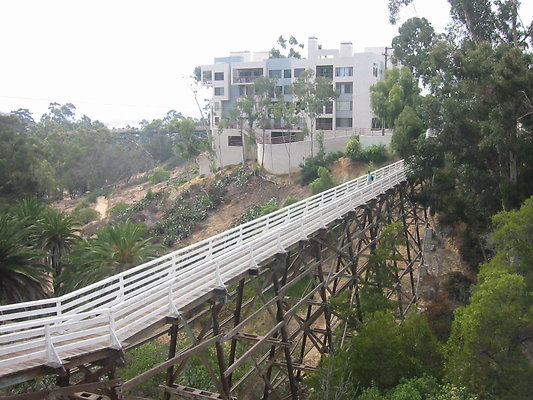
61	154
476	108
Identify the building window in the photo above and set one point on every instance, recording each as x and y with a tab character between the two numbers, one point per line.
219	76
344	106
274	73
375	70
287	73
217	105
217	120
344	122
298	72
325	109
344	87
278	91
325	71
287	89
219	91
246	90
235	141
325	124
344	71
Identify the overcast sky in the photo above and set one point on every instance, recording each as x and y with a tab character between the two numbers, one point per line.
123	61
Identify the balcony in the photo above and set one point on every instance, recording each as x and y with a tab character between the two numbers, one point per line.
247	75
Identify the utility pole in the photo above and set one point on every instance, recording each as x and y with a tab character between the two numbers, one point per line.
387	55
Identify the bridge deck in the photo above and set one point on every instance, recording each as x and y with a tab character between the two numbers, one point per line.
109	313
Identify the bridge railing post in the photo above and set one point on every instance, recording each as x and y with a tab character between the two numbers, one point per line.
113	339
121	287
219	280
52	357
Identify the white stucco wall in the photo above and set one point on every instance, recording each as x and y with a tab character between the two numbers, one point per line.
374	140
230	155
277	159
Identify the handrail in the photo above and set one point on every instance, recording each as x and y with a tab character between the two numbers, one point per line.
161	283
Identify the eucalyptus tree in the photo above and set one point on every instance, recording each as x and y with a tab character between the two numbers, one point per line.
263	92
479	88
287	113
238	115
189	143
20	155
312	94
391	95
294	47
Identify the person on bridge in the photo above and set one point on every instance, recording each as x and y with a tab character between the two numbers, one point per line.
369	177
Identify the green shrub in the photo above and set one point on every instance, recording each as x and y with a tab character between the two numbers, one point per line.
118	209
137	181
290	200
323	182
140	360
353	148
174	162
257	211
92	197
85	215
81	206
375	154
159	175
309	171
332	157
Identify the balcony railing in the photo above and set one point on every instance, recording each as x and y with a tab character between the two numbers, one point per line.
245	79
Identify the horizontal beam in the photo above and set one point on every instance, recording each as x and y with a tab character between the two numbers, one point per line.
255	338
68	390
190	392
170	362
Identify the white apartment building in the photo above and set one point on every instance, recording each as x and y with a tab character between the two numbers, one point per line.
351	114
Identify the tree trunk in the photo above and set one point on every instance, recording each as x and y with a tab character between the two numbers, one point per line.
263	152
242	144
513	170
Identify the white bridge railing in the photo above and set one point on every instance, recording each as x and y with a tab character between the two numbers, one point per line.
105	313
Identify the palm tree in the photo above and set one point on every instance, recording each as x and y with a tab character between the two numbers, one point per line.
116	248
23	276
56	234
30	209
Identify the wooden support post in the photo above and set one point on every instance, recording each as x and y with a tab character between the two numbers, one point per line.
236	321
284	337
114	391
220	351
328	338
173	332
63	379
355	274
408	247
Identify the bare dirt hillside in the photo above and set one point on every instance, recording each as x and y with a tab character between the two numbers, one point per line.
257	190
239	199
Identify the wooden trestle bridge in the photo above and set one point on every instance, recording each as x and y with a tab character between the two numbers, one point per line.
226	298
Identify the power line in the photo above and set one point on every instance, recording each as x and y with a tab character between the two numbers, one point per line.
87	102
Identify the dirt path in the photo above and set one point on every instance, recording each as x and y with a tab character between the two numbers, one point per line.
101	206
